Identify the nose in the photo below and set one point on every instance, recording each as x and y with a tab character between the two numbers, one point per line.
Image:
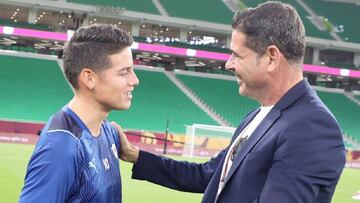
134	81
229	64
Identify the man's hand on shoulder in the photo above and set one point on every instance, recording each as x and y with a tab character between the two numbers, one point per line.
128	152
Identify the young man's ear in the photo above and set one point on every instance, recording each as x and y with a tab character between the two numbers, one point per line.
87	78
273	55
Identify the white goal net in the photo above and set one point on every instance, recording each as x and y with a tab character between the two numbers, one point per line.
206	140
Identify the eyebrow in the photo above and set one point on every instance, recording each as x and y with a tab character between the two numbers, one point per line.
125	68
234	53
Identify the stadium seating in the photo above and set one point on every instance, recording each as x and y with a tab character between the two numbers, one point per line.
222	96
145	6
205	10
342	65
345	14
34	89
20	48
157	100
346	112
199	47
348	145
215	93
311	29
31	89
10	23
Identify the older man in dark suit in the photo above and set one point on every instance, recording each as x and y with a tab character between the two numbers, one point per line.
288	150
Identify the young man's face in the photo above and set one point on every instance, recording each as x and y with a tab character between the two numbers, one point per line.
115	85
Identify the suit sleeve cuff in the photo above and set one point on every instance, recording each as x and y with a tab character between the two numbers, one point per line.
144	165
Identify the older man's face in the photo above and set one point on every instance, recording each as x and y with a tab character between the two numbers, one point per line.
247	65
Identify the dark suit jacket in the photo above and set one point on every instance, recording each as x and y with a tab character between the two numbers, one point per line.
296	154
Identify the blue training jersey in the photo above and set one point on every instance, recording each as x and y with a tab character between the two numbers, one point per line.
70	165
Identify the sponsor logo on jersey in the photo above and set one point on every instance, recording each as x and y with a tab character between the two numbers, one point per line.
114	150
106	164
92	165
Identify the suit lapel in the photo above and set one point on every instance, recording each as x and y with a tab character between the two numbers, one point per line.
211	190
273	115
289	98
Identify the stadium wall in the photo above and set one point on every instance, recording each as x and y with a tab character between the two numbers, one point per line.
27	133
17	132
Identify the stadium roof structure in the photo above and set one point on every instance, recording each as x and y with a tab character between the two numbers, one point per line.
213	15
164	14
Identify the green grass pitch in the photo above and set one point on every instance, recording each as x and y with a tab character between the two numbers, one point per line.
14	159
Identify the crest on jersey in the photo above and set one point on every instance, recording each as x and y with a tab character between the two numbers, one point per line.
106	164
114	150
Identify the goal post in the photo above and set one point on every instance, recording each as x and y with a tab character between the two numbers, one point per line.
206	140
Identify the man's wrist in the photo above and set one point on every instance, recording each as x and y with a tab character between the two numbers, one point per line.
134	154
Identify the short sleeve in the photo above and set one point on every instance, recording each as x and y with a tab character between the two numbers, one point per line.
52	169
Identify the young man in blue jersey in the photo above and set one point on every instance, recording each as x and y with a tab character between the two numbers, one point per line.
76	158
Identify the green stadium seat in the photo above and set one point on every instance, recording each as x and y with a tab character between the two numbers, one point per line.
205	10
216	93
345	14
145	6
348	145
222	96
157	100
10	23
311	29
199	47
341	65
34	89
31	89
346	112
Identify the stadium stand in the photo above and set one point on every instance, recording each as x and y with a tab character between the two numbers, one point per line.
198	47
346	112
34	89
10	23
342	65
145	6
311	29
20	48
205	10
348	145
233	108
221	95
157	99
339	14
31	89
